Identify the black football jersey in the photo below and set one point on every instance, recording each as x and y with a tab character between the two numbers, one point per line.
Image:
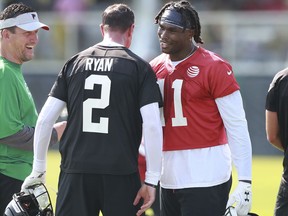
104	89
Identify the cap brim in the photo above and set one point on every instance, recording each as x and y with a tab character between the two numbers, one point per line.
33	26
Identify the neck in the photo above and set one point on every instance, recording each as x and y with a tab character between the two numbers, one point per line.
114	38
8	55
184	54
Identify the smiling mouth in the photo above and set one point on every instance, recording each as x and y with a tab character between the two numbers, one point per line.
163	44
30	47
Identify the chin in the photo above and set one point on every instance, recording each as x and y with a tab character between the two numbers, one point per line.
28	58
163	50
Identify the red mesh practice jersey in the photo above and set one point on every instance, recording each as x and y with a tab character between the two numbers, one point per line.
192	119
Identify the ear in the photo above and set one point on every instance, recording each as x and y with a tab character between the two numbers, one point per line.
128	36
102	29
131	30
190	33
5	34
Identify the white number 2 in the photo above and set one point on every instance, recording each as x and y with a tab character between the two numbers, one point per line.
97	103
179	119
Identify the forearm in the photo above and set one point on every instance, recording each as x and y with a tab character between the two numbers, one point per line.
23	139
47	117
277	143
272	129
233	115
153	139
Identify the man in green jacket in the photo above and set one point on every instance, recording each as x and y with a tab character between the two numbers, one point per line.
19	25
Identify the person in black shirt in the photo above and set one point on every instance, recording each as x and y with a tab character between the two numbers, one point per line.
276	130
111	96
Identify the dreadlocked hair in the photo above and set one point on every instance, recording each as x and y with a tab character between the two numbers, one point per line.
189	14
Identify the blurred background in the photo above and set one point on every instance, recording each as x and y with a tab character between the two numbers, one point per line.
251	34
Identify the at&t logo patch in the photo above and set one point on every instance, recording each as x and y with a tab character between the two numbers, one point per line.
193	71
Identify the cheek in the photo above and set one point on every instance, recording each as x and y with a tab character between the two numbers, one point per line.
36	38
15	44
159	33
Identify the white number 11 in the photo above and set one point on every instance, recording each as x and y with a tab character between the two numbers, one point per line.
179	119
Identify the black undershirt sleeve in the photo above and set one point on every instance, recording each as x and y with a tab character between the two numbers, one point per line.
23	139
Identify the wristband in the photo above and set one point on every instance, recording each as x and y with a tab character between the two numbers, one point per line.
246	181
151	185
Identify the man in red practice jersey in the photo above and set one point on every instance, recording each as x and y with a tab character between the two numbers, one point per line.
205	127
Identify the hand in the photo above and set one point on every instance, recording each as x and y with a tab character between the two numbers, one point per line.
242	198
148	194
34	178
60	127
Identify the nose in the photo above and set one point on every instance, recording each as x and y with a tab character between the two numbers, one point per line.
162	33
34	37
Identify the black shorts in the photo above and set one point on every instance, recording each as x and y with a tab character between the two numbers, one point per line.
88	194
8	186
281	208
204	201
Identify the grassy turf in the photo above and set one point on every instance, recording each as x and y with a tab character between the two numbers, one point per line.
266	179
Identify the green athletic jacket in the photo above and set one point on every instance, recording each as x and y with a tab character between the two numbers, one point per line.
17	109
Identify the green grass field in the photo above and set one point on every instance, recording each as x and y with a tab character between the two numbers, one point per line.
266	179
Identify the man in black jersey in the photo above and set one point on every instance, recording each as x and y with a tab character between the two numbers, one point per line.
111	96
276	130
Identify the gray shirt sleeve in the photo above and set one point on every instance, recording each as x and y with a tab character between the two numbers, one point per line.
24	139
